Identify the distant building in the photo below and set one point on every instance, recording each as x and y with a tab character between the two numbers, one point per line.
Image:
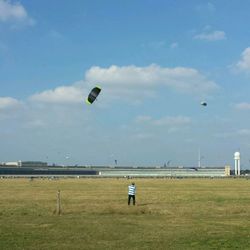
165	172
12	164
32	164
227	170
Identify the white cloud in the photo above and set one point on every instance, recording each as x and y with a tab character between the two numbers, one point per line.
55	34
174	45
36	123
10	108
168	124
63	94
234	133
206	7
154	45
243	106
14	12
144	135
211	35
224	135
7	103
164	121
143	118
244	63
172	121
243	132
145	79
129	83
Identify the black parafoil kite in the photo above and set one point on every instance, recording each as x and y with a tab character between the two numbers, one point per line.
93	95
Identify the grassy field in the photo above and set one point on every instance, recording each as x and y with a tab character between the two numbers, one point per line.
170	214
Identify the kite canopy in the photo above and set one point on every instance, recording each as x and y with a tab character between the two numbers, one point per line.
93	94
203	103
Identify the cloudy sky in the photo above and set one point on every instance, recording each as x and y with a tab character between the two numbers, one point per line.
155	60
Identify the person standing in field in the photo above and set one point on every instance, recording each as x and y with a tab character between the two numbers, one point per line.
131	193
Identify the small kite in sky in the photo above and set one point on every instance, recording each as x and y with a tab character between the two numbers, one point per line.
93	95
203	103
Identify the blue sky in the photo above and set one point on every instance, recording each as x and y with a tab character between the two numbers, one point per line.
155	61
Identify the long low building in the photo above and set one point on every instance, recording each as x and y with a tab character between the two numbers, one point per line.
117	171
46	172
166	172
33	164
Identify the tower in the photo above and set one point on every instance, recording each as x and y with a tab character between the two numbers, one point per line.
237	163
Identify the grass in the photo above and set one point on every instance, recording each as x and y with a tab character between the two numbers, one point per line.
169	214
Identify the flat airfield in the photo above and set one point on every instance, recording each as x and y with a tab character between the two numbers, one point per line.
169	214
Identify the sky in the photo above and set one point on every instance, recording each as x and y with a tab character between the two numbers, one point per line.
155	60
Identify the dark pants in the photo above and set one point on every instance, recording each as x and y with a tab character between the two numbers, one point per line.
129	198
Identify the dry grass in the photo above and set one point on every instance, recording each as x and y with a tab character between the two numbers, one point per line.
170	214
